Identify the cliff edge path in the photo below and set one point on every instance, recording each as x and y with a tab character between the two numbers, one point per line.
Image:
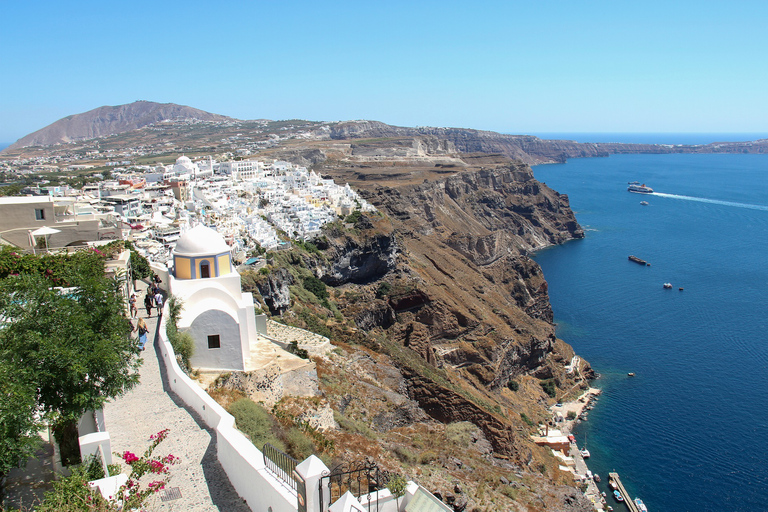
151	407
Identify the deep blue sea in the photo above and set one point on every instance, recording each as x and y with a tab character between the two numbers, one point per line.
688	432
654	138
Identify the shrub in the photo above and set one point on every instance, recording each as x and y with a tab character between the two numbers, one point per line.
549	387
183	344
427	457
526	419
513	385
353	217
405	454
298	445
460	432
571	415
316	286
383	290
255	422
293	348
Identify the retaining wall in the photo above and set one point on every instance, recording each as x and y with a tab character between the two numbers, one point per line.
241	460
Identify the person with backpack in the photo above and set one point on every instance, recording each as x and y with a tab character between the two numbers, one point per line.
148	303
143	330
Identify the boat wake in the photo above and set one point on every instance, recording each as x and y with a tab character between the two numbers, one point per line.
713	201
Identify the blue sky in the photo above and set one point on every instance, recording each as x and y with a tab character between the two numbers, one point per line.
514	67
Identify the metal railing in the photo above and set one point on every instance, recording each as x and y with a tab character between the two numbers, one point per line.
359	478
283	466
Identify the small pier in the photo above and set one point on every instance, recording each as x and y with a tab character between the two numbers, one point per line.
629	502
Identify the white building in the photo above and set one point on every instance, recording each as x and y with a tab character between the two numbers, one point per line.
216	313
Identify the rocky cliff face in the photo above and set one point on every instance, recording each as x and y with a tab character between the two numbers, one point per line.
444	279
527	148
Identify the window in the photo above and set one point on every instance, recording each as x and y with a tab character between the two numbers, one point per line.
214	341
39	214
205	269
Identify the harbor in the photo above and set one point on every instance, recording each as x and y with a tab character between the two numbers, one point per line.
614	478
565	416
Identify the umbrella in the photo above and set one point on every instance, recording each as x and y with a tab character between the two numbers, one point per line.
44	231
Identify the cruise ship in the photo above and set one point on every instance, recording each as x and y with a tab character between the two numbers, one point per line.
635	186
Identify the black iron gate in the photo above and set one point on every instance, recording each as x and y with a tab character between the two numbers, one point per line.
284	467
359	478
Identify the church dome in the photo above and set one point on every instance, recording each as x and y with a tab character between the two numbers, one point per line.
200	241
184	165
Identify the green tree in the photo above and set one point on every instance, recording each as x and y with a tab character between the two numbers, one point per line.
75	344
18	426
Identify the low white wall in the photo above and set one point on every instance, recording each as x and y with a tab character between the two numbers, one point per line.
241	460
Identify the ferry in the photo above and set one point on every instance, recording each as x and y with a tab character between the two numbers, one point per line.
635	186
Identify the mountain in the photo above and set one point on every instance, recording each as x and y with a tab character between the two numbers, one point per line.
108	120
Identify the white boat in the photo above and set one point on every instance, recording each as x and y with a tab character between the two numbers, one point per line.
636	187
584	453
668	286
640	505
644	203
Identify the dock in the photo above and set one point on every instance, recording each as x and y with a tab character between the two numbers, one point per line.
629	502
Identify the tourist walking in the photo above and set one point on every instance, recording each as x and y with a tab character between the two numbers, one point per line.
132	302
159	303
143	330
148	303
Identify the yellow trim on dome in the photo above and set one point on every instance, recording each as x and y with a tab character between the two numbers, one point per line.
183	267
225	266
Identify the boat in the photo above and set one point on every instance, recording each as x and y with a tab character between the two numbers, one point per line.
636	187
631	374
596	478
644	203
585	453
638	260
667	286
640	505
681	288
617	495
613	485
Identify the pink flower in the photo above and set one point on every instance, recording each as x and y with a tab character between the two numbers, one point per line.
129	457
156	466
156	486
170	459
159	436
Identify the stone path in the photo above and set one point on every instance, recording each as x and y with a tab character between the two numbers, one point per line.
151	407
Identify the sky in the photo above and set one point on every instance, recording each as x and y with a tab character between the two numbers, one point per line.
507	66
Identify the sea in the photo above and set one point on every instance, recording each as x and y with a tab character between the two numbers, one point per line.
688	432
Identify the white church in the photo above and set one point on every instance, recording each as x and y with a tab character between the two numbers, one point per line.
215	311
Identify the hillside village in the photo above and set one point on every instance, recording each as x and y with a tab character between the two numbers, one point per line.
255	205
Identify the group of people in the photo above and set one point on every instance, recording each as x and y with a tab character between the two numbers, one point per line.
153	298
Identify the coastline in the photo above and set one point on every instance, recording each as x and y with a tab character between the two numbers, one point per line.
577	407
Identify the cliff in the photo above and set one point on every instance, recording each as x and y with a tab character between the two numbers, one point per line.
527	148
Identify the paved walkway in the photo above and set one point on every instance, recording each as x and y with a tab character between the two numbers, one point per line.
151	407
